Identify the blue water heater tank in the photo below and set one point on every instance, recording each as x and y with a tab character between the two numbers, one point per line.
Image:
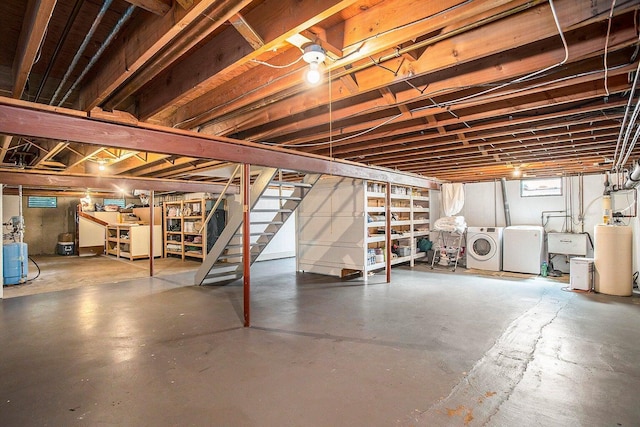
15	263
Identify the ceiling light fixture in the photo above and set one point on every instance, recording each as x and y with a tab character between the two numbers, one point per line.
313	54
102	164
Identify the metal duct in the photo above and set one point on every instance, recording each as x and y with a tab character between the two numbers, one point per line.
505	202
63	38
83	46
112	35
634	177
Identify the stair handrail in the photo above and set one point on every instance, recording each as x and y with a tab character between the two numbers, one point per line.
219	200
92	218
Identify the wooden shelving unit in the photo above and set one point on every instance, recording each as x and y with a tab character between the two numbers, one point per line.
409	221
185	234
131	241
342	226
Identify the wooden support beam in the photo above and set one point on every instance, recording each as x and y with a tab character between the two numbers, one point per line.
29	119
159	7
107	183
198	74
247	31
33	30
5	143
350	83
52	151
152	34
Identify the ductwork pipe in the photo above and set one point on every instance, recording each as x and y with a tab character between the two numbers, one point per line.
505	202
83	46
634	177
112	35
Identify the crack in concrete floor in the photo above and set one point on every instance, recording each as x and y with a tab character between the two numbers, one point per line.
481	393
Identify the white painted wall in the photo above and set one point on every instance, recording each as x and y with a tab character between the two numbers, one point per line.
283	245
484	207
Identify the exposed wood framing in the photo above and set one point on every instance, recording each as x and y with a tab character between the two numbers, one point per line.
37	179
16	119
39	12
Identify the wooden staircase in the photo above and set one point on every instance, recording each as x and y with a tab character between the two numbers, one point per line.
224	262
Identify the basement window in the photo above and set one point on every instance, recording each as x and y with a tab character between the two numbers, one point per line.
42	202
118	202
541	187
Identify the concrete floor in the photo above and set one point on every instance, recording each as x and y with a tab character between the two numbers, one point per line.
433	348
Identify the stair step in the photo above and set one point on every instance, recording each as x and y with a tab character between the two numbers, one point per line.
222	271
236	256
210	280
267	222
255	234
230	256
290	184
297	199
224	268
271	210
241	246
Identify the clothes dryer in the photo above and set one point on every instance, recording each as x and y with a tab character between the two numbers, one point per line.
524	248
484	248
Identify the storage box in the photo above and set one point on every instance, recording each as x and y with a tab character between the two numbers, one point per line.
404	251
65	248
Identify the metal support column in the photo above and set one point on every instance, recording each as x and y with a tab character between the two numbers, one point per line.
246	248
387	231
152	220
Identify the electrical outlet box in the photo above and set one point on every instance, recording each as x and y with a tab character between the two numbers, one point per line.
567	243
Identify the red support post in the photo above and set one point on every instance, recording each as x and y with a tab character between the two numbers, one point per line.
152	221
246	248
387	215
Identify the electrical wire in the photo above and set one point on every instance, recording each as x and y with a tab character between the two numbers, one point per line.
361	42
402	27
528	76
277	66
606	48
317	144
37	266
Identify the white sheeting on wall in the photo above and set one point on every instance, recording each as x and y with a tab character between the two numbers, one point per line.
452	198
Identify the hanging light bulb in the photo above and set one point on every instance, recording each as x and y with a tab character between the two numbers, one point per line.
313	55
313	73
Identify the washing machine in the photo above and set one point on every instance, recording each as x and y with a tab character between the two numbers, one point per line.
484	248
